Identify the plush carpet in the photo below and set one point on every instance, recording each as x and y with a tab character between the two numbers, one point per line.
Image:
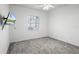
42	46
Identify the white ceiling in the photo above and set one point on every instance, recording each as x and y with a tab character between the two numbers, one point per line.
39	6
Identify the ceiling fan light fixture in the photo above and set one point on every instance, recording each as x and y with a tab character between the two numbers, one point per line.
48	6
45	8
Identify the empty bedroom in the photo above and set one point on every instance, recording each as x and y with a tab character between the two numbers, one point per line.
39	28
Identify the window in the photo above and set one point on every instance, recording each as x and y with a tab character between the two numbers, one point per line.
33	22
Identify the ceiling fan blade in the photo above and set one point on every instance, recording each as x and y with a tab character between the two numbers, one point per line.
45	6
39	6
51	6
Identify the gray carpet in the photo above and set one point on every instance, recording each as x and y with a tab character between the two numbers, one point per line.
42	46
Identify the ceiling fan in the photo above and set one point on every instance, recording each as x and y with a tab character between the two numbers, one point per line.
46	6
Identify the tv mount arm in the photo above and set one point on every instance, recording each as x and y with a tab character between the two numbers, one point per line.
5	20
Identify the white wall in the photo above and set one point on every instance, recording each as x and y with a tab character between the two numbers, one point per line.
64	24
21	32
4	34
4	9
4	40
